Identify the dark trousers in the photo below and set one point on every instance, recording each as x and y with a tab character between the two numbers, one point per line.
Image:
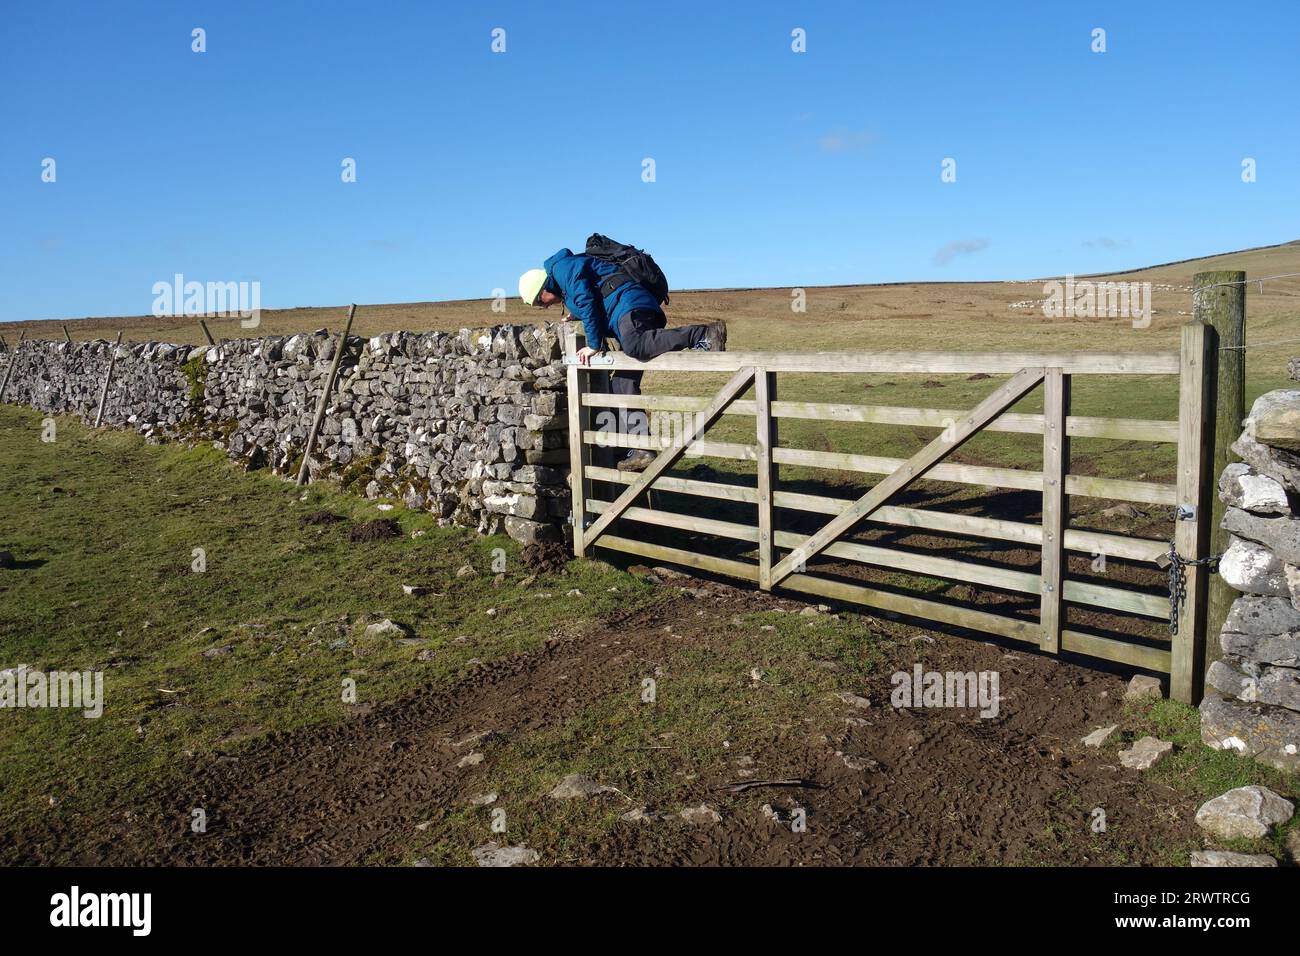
644	337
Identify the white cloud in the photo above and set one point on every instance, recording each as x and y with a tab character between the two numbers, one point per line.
846	140
1106	242
959	247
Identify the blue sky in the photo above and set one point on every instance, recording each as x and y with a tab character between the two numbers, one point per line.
773	168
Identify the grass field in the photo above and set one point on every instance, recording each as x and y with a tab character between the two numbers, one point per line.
108	525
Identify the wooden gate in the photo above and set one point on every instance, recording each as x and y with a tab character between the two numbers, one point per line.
780	558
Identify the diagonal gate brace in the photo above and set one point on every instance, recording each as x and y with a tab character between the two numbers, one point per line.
739	382
912	469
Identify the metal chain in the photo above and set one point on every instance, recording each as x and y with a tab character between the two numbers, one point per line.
1178	580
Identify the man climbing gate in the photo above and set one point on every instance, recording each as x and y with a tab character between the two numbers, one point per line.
618	290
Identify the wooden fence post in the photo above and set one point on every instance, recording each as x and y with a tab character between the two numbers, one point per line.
1192	523
764	393
325	395
206	333
1219	300
579	452
1056	465
108	378
66	335
13	360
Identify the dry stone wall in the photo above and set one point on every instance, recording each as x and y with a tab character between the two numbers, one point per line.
1252	701
468	425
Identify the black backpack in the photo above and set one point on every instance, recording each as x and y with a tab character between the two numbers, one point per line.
634	265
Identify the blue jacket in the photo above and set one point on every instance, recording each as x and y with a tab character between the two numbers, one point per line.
577	278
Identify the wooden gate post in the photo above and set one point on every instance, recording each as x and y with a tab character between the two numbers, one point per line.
579	452
1192	522
1056	465
108	378
1219	300
764	393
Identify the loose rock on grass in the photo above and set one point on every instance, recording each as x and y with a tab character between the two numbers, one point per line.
491	854
1145	753
387	628
853	700
858	763
578	786
1099	736
1246	812
1203	858
703	815
1142	687
639	815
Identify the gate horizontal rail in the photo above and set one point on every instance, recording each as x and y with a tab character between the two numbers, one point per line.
779	551
938	363
1076	426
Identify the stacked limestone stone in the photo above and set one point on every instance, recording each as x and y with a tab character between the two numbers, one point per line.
1253	701
470	426
149	390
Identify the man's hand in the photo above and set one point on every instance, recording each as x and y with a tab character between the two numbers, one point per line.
585	353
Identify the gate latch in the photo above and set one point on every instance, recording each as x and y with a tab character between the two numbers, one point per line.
1186	513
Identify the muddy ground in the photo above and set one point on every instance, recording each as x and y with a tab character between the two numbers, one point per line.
934	786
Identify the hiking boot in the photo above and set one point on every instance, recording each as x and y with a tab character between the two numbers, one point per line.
715	337
638	459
